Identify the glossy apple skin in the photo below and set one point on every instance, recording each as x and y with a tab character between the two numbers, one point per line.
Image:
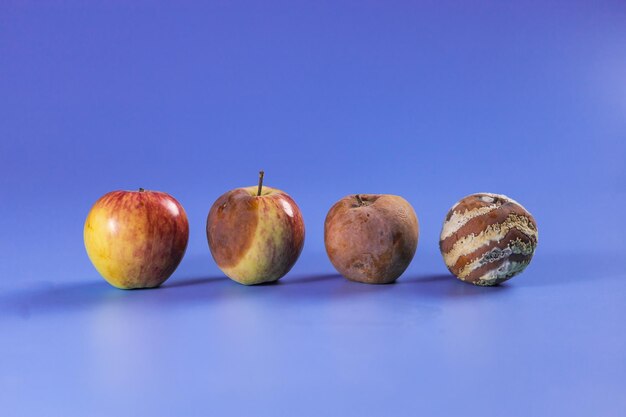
372	240
136	239
255	239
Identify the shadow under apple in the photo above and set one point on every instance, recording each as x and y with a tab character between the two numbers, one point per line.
68	298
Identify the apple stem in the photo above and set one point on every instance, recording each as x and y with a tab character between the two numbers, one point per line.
261	173
358	198
141	190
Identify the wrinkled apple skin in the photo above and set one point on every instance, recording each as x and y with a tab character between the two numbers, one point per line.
136	239
255	239
371	238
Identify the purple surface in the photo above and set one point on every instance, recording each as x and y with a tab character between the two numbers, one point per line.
432	101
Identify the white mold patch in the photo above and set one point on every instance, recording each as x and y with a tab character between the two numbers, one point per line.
505	271
458	220
495	232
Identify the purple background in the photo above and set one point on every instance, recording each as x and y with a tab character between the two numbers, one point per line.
428	100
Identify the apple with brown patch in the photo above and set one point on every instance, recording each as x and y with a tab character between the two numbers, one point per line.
136	239
371	238
255	233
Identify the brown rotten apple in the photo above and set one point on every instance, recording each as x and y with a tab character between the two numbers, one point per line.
371	238
136	239
255	233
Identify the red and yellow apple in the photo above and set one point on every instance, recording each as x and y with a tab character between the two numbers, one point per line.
136	239
255	234
371	238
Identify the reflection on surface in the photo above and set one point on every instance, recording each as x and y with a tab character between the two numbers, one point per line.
208	338
45	298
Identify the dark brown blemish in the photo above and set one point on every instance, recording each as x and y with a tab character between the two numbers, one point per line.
231	225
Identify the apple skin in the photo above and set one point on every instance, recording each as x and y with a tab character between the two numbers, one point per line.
255	239
136	239
371	238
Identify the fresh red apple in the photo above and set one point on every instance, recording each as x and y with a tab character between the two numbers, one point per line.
371	238
255	233
136	239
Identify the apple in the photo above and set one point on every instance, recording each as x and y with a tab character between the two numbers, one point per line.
255	234
371	238
136	239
